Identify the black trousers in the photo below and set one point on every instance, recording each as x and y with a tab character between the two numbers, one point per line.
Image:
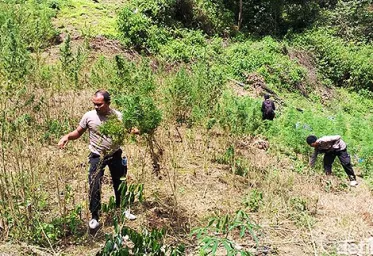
345	160
270	116
96	172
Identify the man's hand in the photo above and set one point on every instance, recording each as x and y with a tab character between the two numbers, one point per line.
63	141
71	136
134	131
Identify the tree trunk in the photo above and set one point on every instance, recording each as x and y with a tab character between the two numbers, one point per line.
240	16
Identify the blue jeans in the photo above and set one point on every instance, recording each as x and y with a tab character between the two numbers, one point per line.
96	171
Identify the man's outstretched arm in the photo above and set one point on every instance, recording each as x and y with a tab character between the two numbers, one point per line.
71	136
313	158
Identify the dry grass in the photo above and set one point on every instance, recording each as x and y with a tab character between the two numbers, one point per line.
193	187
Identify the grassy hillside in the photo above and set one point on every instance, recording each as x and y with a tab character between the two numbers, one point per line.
192	80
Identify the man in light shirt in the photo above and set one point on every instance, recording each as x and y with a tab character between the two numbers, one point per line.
332	147
103	152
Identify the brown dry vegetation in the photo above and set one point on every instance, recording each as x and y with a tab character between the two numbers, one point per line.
193	187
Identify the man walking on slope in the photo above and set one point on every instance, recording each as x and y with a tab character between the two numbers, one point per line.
332	146
268	108
103	152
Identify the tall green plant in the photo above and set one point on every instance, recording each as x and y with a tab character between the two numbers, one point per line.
238	115
14	57
218	234
134	89
191	95
71	63
144	243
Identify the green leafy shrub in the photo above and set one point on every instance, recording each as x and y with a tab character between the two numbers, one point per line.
141	112
163	25
144	243
33	19
351	20
136	100
191	95
238	115
237	163
54	129
180	95
343	63
301	213
218	233
227	157
47	233
114	129
267	58
190	46
137	104
254	200
71	62
185	46
102	72
139	31
14	58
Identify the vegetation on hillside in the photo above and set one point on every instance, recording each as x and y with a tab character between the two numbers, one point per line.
188	62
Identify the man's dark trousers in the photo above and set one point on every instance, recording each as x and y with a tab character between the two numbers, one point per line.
96	172
345	161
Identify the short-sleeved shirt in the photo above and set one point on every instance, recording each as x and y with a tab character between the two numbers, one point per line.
98	143
327	144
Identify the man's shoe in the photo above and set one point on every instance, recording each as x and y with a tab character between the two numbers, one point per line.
353	183
93	224
129	215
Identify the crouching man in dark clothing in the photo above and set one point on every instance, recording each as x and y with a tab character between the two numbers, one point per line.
332	146
268	108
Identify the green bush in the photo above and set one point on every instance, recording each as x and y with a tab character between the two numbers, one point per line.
186	45
238	115
134	89
139	31
33	19
254	200
71	62
218	234
167	24
267	58
211	17
14	58
276	18
102	73
351	20
343	63
190	96
25	26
